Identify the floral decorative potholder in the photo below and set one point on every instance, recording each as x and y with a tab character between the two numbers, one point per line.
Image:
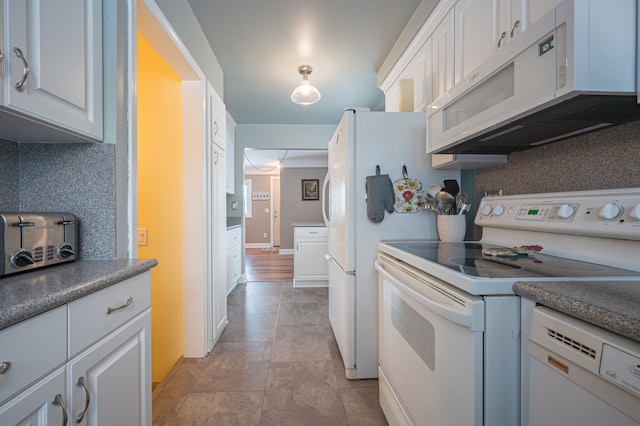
408	193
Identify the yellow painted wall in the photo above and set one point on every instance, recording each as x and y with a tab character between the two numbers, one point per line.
160	200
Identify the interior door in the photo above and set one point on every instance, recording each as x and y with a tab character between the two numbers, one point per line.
275	209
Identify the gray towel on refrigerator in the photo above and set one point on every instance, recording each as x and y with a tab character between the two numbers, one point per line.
380	197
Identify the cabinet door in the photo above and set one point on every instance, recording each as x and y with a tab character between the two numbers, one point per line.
60	43
419	74
35	406
110	383
309	261
475	35
231	155
216	285
216	118
220	244
443	56
530	11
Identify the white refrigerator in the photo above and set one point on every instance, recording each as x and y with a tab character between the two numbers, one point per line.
363	140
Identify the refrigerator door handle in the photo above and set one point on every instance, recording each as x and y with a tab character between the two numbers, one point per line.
324	200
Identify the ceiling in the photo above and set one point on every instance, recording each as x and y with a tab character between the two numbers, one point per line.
260	45
265	161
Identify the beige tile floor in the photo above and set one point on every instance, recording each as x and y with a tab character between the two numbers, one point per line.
276	363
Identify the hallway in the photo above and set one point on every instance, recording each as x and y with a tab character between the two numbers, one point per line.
276	363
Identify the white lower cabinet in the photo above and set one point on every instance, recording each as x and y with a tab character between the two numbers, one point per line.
54	372
43	404
309	263
234	257
108	383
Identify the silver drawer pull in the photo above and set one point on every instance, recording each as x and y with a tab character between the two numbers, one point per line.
25	68
58	402
124	305
87	400
4	367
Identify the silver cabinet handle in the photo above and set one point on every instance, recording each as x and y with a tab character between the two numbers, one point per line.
515	25
4	367
58	402
25	68
502	36
124	305
1	55
86	401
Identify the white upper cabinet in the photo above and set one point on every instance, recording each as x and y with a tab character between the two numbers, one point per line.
422	72
52	69
475	34
231	130
484	27
216	118
443	55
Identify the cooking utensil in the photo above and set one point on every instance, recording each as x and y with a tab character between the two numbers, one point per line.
433	189
452	186
463	208
445	201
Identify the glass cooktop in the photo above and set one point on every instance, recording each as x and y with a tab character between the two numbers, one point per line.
468	258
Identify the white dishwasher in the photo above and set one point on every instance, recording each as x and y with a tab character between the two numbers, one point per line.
581	374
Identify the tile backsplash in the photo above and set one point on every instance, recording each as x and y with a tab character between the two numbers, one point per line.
79	178
599	160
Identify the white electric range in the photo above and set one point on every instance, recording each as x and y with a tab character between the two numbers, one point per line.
449	321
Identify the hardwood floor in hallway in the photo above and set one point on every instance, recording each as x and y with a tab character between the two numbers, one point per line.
268	265
276	363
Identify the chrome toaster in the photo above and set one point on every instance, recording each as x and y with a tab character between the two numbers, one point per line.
33	240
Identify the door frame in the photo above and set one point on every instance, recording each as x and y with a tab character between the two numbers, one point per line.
155	27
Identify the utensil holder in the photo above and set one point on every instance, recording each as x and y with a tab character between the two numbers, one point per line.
451	227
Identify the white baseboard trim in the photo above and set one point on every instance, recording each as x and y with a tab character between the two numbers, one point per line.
242	279
257	245
286	251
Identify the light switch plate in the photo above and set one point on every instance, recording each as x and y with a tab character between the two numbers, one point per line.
143	236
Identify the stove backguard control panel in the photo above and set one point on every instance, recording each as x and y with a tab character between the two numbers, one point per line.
612	213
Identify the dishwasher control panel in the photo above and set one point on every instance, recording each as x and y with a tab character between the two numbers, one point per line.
621	367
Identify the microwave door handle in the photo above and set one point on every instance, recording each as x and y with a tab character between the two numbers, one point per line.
454	315
325	200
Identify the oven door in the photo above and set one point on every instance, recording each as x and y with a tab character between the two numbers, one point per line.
430	349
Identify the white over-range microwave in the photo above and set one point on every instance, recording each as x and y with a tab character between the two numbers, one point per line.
571	72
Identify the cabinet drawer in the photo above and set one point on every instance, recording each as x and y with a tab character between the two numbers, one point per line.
233	275
310	232
233	237
33	348
234	255
89	319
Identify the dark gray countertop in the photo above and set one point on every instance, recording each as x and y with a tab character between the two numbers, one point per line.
308	224
613	305
31	293
233	221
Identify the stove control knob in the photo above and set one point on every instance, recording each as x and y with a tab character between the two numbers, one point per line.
498	210
609	211
634	214
486	210
65	251
22	258
565	211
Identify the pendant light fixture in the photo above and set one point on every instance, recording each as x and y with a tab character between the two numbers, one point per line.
305	93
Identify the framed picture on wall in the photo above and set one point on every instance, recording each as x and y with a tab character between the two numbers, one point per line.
309	189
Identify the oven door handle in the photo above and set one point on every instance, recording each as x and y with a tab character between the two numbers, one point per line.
457	316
